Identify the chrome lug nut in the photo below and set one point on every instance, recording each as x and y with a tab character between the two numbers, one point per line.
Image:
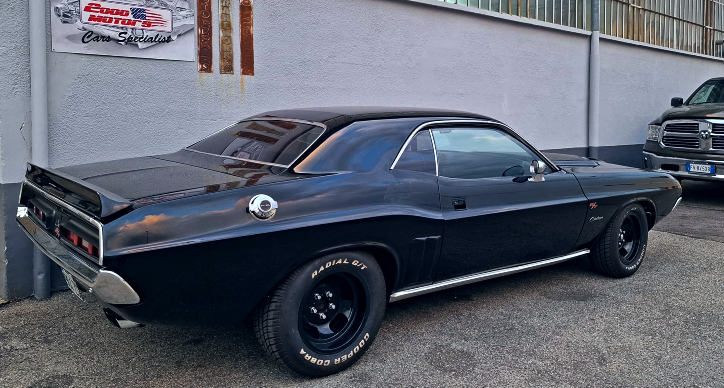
313	310
332	306
329	294
317	296
322	316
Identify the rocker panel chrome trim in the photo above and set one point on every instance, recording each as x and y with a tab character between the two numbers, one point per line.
467	279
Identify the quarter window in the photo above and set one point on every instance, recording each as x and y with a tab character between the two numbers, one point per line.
279	142
474	153
418	155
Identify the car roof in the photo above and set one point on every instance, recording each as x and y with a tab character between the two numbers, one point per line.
335	117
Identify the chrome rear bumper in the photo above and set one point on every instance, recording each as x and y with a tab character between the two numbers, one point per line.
654	162
106	285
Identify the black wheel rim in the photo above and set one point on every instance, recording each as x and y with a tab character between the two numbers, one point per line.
333	312
629	239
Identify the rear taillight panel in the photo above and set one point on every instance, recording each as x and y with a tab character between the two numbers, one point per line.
79	242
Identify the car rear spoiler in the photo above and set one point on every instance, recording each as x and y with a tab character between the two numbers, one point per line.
76	192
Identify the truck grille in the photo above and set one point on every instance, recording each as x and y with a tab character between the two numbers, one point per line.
717	143
717	129
689	142
690	127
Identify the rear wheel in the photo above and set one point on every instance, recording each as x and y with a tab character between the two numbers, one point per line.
621	248
325	315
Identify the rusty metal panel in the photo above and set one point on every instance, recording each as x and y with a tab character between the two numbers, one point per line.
226	42
246	20
205	36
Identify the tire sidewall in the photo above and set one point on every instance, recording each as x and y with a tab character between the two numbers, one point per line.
638	211
365	269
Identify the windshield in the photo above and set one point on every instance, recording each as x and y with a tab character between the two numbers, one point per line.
265	141
712	92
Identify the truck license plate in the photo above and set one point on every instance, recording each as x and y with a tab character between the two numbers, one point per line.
700	168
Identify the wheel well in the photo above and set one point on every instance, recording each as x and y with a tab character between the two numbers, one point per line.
650	211
386	260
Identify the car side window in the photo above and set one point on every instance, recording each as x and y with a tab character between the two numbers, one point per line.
418	155
474	153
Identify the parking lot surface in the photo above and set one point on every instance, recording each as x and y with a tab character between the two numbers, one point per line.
561	326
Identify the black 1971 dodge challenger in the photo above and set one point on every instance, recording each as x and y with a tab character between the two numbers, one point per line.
311	220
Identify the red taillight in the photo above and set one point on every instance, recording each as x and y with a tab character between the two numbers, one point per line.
74	238
39	213
80	243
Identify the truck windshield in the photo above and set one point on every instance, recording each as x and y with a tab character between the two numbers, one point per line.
711	92
265	141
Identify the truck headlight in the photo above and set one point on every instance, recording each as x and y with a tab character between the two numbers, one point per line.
653	133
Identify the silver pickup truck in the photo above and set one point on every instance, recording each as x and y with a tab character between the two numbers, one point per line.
687	141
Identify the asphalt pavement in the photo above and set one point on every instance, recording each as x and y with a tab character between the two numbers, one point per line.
560	326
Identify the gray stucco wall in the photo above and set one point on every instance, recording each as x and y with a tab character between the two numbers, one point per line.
14	91
15	268
637	84
328	52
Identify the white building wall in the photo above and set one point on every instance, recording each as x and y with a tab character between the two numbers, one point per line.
326	52
637	84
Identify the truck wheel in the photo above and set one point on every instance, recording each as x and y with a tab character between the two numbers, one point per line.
621	247
325	315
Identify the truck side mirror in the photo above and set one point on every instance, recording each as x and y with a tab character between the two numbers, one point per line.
677	101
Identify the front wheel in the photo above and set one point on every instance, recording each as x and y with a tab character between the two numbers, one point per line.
621	248
325	315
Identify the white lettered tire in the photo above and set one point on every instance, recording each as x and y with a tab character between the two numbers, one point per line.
324	316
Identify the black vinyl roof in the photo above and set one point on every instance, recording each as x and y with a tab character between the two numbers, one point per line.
334	117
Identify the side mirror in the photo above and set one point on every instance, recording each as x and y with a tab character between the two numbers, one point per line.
537	168
677	101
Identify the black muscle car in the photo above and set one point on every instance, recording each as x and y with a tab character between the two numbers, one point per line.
311	220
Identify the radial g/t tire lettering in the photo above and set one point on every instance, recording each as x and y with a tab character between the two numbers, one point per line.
324	316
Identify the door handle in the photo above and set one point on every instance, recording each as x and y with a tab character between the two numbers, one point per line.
459	204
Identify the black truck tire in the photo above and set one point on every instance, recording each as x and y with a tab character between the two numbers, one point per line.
621	248
324	316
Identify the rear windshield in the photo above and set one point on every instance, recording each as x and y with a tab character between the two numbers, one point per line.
712	92
278	142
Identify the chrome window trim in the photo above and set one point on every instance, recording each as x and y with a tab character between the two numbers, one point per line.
434	150
429	124
274	118
467	279
235	158
75	212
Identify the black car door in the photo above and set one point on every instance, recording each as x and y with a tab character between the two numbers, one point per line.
494	216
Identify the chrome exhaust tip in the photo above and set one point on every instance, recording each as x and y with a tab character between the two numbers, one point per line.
118	321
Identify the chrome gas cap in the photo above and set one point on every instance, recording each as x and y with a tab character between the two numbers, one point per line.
262	207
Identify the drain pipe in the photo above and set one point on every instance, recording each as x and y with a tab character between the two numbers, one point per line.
39	125
594	82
